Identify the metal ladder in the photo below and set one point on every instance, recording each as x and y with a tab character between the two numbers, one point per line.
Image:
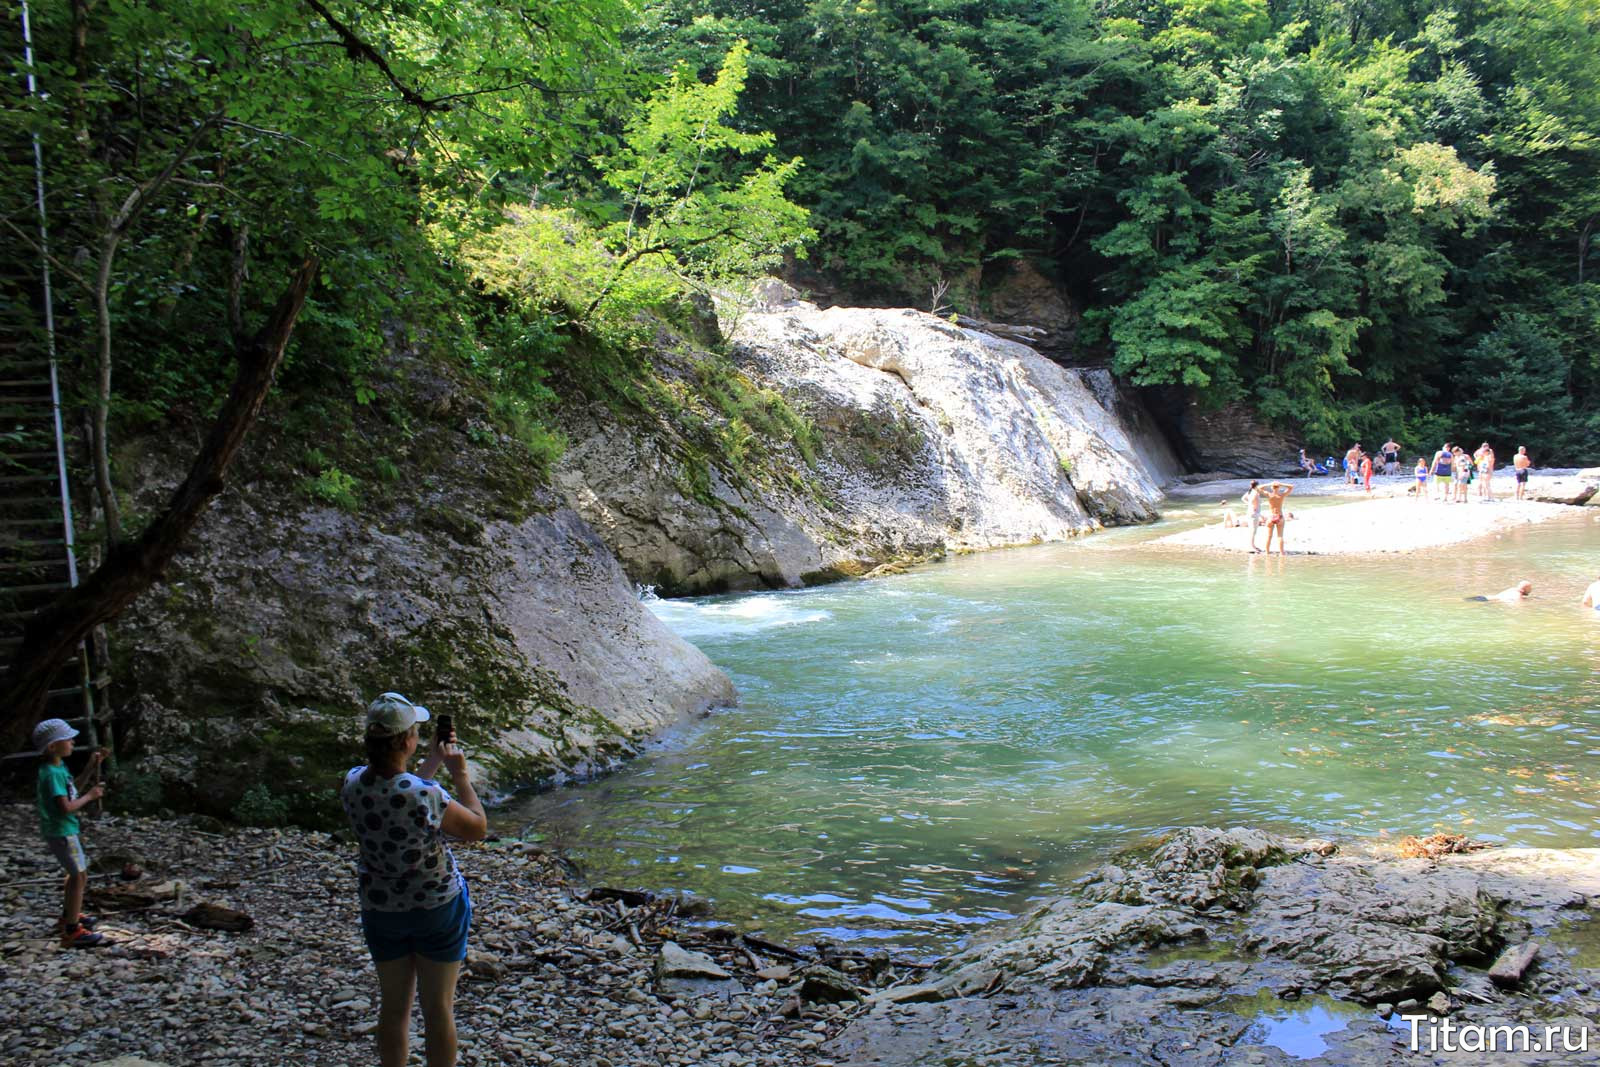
38	556
38	560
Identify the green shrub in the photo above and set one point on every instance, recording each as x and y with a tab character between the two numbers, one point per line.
259	807
334	486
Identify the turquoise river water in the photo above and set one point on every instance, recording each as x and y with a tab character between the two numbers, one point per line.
919	756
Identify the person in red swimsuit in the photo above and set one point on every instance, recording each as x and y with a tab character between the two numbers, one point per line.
1275	495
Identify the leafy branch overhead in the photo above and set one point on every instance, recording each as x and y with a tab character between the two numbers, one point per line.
695	206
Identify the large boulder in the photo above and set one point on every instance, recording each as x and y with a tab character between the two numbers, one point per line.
469	586
1015	291
1575	489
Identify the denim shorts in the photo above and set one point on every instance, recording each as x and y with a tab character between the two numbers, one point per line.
438	934
68	852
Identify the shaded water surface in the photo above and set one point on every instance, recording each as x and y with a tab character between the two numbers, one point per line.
919	756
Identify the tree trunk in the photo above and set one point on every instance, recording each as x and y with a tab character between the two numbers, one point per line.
52	637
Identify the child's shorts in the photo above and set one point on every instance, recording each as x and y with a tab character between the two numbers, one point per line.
438	934
69	853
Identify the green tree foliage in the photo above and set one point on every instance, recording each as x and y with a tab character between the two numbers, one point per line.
1316	206
195	150
695	208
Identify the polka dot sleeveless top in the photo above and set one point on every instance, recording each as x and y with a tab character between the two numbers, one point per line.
404	864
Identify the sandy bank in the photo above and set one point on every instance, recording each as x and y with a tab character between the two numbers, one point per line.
1376	525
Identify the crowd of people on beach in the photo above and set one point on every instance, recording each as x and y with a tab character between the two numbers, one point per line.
1451	475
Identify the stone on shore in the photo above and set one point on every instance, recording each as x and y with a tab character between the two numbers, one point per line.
548	981
1507	969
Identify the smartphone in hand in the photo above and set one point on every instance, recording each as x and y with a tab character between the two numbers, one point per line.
445	732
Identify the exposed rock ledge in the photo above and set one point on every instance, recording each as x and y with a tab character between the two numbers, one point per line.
929	437
468	586
1169	958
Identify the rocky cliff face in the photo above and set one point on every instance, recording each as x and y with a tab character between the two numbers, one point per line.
928	437
1227	440
468	587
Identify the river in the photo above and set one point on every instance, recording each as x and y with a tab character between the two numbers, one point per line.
919	756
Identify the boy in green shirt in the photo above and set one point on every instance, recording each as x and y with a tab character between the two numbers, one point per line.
59	804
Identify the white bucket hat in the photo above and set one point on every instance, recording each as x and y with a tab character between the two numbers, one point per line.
392	713
49	732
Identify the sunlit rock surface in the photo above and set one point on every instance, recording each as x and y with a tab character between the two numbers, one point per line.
928	437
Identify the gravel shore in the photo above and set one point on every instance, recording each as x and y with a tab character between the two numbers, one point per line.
551	978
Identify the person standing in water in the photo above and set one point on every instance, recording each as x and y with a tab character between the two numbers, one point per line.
1521	463
1252	507
1391	456
1276	493
1591	595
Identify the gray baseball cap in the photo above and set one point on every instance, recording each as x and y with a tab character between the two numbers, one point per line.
392	713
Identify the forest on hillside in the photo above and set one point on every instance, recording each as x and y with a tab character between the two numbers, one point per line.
1362	217
1359	217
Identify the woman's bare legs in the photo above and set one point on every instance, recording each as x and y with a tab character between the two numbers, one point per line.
397	982
437	984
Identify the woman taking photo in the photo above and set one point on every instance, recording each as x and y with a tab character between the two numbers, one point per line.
414	905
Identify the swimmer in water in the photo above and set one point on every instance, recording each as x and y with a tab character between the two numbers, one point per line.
1591	595
1515	595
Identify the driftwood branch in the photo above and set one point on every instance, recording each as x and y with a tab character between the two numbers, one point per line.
52	637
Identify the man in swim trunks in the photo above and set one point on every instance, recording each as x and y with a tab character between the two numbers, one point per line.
1521	463
1391	456
1351	459
1515	595
1276	493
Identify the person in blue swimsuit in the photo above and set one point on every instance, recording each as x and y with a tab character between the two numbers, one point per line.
1443	462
